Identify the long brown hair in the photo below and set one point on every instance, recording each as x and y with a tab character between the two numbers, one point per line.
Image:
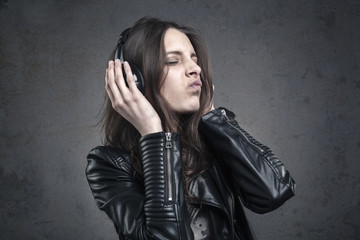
145	48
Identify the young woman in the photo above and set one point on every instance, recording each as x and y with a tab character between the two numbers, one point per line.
173	167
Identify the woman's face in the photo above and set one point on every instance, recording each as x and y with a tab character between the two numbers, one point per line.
182	85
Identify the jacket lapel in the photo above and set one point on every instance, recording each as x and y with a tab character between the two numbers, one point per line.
209	190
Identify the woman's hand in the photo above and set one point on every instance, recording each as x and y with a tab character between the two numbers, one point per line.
129	102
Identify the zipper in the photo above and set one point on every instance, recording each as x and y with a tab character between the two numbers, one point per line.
168	147
247	136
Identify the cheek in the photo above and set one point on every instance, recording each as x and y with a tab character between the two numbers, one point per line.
170	93
170	88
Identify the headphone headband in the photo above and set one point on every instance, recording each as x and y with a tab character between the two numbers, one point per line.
124	36
122	39
138	77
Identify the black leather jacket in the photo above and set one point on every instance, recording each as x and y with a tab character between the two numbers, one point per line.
244	172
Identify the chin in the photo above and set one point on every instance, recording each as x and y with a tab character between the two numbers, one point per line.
189	110
188	107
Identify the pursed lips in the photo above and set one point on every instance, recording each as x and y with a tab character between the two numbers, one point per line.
196	84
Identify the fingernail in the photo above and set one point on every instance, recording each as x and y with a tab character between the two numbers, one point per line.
126	64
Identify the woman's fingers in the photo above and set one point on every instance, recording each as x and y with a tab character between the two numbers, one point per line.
130	102
109	79
112	86
107	87
129	77
119	78
120	95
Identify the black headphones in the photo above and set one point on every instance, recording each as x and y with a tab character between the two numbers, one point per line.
138	77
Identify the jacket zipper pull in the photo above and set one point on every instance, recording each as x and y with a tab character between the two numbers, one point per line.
168	140
223	112
168	146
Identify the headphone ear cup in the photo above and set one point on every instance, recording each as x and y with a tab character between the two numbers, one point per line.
138	77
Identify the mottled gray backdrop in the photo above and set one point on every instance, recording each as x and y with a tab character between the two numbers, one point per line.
288	69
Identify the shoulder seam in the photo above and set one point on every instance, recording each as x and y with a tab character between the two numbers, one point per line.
113	155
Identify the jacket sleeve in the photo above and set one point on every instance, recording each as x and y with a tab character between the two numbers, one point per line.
258	177
154	209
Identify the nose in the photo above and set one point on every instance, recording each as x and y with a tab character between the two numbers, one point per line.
193	69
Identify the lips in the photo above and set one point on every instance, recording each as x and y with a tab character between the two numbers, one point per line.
196	84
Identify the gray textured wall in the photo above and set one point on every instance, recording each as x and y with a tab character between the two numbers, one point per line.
288	69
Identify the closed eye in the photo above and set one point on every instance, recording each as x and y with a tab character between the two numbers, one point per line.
194	58
177	58
171	62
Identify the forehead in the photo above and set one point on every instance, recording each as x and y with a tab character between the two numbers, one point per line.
174	40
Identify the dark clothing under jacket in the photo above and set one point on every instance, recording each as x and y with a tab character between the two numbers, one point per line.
243	173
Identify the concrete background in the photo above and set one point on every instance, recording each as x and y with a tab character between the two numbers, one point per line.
288	69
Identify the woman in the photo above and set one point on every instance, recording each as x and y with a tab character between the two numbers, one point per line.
173	167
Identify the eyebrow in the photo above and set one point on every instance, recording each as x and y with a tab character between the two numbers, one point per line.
180	53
